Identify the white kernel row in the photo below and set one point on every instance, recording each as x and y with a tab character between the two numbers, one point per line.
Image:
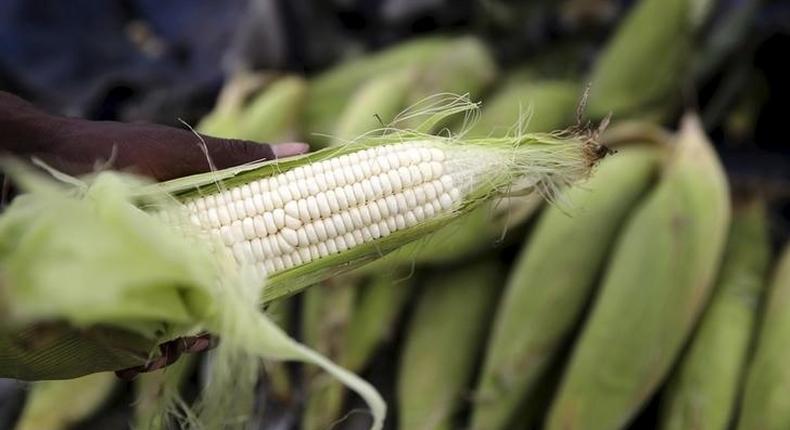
394	181
290	248
329	206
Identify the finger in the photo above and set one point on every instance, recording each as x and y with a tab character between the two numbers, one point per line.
226	153
282	150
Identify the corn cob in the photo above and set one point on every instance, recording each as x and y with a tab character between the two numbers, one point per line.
443	339
660	274
299	220
703	392
766	403
550	284
629	77
56	405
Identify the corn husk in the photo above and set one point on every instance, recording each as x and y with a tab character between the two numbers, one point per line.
329	92
535	104
464	66
155	391
443	340
223	120
349	335
271	114
374	105
189	283
326	315
641	70
376	310
766	402
59	405
704	389
550	283
553	104
657	282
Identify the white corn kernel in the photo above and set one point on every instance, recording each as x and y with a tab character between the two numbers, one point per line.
329	206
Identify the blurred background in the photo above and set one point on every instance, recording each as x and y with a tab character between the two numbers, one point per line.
167	61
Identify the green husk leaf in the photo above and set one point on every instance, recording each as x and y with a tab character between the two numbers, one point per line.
329	92
374	105
550	283
223	120
534	104
109	263
705	387
59	405
273	115
641	70
326	315
670	249
443	340
349	335
766	403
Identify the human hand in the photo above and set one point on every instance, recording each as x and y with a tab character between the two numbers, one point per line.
77	146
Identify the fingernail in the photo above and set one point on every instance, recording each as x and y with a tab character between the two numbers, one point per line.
281	150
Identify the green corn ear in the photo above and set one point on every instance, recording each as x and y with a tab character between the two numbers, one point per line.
56	405
464	66
551	283
223	120
442	344
703	392
329	92
376	310
270	116
273	115
325	318
374	105
656	284
642	67
547	105
766	401
369	321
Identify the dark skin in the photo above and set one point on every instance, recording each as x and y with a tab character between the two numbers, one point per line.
77	146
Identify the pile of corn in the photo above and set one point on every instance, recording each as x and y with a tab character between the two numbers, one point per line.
643	293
